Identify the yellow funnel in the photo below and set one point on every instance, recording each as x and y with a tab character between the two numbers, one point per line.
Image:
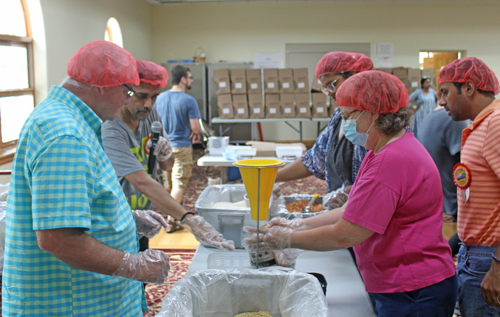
258	176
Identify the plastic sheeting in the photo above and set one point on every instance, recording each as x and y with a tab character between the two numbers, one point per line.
284	213
281	292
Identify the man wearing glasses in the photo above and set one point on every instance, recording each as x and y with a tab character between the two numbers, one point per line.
127	143
71	244
332	157
180	115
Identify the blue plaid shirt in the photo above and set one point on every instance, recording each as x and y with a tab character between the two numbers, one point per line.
315	159
61	178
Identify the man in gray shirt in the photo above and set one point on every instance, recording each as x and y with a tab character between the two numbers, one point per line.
442	137
126	143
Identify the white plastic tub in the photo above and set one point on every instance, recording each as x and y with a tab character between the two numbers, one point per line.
288	152
224	207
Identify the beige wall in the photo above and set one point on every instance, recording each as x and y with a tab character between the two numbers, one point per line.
70	24
234	31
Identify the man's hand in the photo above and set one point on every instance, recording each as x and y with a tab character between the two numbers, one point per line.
206	233
148	222
163	149
195	137
490	287
150	266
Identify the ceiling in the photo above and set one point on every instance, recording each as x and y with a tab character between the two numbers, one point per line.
162	2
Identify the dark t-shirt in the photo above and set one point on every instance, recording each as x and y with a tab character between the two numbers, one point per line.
339	162
442	137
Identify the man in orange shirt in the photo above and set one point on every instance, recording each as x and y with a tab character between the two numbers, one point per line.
468	89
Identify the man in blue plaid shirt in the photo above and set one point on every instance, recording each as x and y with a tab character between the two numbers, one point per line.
71	245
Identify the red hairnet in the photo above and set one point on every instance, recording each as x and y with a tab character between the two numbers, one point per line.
152	73
102	63
340	62
471	68
373	91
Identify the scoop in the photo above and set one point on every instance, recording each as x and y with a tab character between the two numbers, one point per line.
308	207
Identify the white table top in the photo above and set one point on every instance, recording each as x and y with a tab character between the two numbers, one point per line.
346	295
218	160
218	120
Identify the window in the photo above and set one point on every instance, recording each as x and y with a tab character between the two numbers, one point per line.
113	32
17	98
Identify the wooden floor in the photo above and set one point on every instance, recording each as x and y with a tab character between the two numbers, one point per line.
178	240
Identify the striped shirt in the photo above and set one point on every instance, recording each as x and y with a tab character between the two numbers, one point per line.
479	217
61	178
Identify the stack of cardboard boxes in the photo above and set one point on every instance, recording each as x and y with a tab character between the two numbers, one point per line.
285	94
411	77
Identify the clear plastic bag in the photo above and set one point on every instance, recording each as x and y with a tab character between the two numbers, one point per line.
284	213
217	293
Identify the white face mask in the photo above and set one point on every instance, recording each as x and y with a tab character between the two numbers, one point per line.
349	127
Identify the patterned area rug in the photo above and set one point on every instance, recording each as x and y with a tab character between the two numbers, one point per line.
199	180
179	264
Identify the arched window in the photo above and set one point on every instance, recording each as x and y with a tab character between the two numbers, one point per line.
113	32
17	98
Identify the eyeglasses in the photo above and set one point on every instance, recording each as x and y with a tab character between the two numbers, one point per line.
130	91
346	117
330	88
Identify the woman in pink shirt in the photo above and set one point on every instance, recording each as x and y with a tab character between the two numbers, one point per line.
393	218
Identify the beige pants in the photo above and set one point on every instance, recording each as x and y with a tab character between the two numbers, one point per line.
181	171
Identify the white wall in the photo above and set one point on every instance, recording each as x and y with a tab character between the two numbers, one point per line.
234	31
70	24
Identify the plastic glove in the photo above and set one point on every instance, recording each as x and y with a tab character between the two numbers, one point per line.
294	224
150	266
287	257
163	150
335	199
205	233
148	223
275	238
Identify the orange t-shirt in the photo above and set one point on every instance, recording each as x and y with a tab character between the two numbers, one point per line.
479	217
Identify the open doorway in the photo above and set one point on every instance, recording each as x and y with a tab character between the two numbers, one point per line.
438	59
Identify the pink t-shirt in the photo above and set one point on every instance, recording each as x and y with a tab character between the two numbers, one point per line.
398	195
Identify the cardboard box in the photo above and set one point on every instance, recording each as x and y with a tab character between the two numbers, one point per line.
286	80
254	81
225	105
238	81
287	105
272	102
414	78
271	80
221	77
256	106
301	80
302	105
385	70
319	108
240	106
269	148
400	72
428	72
316	85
